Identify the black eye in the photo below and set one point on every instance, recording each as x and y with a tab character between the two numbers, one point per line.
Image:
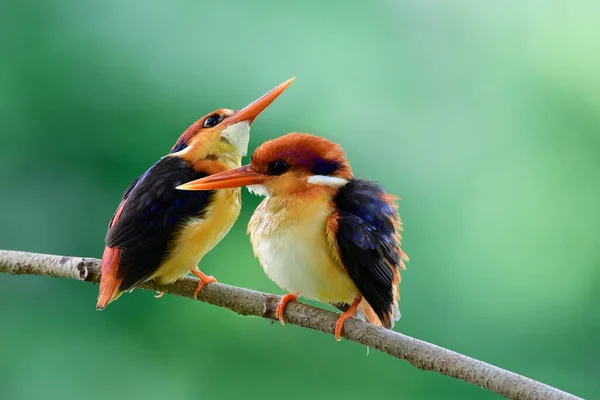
212	120
278	167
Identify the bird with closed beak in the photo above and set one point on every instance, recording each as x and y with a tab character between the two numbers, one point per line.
161	233
320	232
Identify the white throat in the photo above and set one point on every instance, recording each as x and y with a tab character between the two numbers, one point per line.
259	190
239	136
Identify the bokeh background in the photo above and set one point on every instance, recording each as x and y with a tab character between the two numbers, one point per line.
483	117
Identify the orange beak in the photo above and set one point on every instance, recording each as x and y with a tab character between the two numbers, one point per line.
253	110
242	176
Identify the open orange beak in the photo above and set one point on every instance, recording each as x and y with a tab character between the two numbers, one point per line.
242	176
253	110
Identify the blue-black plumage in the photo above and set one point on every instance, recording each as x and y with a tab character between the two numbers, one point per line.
367	243
153	212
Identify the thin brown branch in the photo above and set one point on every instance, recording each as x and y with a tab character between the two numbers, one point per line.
423	355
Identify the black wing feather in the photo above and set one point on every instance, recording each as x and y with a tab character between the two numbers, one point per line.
123	199
367	242
153	212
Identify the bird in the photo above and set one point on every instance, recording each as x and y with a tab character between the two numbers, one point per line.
320	232
159	233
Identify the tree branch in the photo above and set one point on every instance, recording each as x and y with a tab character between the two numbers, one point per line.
423	355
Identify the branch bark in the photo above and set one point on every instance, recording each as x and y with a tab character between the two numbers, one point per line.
423	355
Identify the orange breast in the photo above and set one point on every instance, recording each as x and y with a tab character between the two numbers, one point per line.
200	235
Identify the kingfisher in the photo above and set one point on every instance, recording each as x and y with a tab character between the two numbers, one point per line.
161	233
320	232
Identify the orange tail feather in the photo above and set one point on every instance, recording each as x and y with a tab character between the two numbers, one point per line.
366	313
109	284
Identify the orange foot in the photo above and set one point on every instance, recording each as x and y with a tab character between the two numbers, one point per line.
158	294
282	304
204	280
339	325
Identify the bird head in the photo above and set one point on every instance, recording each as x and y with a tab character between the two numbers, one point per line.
224	134
287	165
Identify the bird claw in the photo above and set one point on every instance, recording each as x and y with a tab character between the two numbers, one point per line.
209	279
204	280
282	304
158	294
339	325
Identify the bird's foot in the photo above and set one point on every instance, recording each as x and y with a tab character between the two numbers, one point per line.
339	325
282	304
158	294
204	280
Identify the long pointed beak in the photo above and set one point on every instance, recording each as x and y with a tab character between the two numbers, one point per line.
233	178
253	110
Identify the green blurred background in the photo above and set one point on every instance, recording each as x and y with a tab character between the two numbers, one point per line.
484	118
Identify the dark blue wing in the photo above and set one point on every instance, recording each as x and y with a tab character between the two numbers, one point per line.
368	243
152	213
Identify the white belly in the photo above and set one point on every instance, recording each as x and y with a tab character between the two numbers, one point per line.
297	257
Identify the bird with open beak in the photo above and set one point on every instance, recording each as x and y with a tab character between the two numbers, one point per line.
320	232
161	233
